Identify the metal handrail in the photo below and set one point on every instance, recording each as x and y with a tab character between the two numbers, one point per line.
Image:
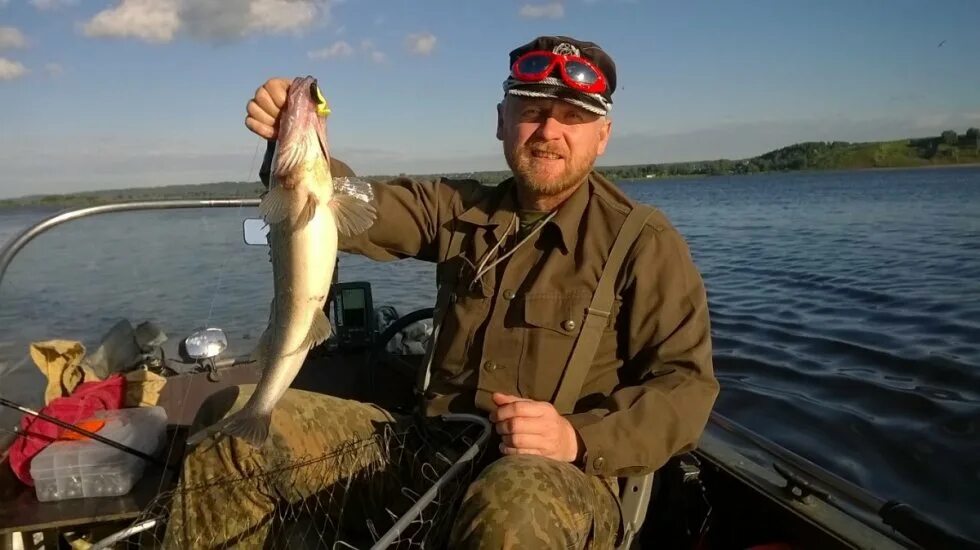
27	235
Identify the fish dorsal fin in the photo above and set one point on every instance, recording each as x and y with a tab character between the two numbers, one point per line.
351	205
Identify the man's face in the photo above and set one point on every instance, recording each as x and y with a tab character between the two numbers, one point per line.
550	144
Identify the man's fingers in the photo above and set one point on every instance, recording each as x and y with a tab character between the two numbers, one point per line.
277	88
506	399
264	130
521	426
265	102
517	451
532	409
260	115
526	441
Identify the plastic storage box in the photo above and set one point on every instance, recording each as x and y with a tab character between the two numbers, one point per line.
90	468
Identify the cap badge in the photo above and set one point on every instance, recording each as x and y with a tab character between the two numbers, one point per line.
566	49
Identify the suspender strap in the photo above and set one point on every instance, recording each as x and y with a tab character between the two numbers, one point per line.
597	314
444	297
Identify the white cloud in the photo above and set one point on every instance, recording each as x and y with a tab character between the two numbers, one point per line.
367	46
421	43
11	37
10	70
154	21
339	48
45	5
552	10
277	16
54	69
159	21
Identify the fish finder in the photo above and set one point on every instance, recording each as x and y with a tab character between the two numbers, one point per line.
353	314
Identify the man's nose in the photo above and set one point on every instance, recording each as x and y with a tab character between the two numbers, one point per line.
550	128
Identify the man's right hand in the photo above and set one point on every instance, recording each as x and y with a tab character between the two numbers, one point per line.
263	109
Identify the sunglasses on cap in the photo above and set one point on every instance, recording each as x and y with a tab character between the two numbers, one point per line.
577	72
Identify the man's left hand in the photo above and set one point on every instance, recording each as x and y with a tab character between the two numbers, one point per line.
533	428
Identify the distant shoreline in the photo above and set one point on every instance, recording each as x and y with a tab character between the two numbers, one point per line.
950	150
811	171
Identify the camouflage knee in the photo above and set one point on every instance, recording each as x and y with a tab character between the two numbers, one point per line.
535	502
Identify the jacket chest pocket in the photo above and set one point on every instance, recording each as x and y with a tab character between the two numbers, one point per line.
462	309
553	322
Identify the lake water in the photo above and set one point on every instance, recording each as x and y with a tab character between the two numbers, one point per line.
845	309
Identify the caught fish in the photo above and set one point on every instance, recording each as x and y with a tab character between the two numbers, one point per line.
306	209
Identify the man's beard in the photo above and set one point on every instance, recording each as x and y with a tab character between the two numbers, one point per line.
535	176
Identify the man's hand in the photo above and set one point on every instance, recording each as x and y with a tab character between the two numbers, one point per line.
263	109
533	428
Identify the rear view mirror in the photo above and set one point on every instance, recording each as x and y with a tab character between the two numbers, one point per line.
255	231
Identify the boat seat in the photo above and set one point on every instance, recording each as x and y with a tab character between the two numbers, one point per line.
634	500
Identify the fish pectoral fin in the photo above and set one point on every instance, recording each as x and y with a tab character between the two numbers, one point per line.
309	210
275	205
320	330
353	215
292	152
244	424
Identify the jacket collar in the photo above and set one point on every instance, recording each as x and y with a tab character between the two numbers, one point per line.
497	210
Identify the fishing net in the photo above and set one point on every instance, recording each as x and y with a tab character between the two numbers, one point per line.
397	489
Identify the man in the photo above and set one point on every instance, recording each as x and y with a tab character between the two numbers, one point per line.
531	253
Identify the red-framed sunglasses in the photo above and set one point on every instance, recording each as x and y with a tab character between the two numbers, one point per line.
577	72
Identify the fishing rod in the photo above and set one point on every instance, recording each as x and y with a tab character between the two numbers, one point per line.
86	433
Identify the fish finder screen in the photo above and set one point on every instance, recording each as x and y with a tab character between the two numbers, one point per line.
354	314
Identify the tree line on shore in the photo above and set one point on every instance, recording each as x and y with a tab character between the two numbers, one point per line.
947	148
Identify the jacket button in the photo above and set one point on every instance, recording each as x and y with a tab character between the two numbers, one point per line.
509	294
490	366
599	463
568	324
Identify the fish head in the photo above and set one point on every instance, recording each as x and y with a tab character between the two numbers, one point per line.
302	142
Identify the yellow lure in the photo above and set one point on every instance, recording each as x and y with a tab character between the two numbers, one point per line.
322	107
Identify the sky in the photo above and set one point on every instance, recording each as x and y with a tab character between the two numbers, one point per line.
98	94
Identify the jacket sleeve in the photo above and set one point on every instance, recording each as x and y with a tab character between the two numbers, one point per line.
408	213
667	383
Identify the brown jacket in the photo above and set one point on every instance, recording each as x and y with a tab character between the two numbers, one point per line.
651	387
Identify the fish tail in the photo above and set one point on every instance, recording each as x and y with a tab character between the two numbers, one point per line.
244	424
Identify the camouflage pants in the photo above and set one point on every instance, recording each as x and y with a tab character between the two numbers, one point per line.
231	495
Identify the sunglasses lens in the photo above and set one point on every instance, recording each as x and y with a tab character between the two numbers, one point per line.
534	64
581	73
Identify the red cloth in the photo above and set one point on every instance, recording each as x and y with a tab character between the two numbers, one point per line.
37	434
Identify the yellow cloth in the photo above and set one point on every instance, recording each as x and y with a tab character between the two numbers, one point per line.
143	388
60	361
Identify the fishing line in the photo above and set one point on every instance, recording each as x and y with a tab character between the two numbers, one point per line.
224	259
214	297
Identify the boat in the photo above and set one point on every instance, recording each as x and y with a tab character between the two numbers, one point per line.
735	490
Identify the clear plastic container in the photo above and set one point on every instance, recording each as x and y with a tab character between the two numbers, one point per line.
90	468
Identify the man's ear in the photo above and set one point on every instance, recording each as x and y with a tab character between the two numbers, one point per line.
604	131
500	121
